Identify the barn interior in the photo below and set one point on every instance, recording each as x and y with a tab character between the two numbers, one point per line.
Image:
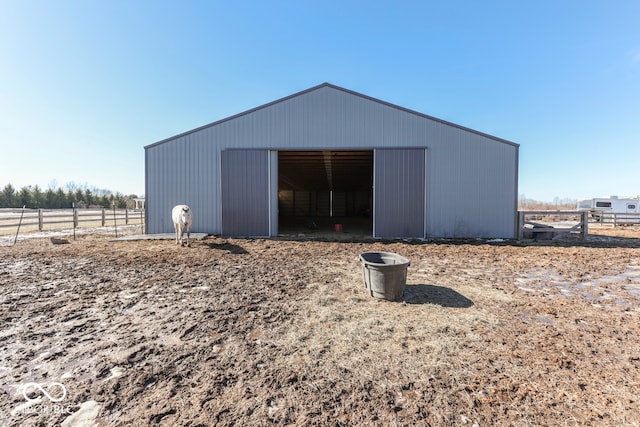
325	192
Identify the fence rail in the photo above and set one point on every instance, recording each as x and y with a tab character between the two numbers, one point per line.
615	219
31	220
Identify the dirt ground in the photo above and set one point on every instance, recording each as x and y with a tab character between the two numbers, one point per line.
261	332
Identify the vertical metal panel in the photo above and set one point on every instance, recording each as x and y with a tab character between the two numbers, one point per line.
273	193
472	187
399	192
245	193
182	171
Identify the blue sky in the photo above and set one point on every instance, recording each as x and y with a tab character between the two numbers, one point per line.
85	85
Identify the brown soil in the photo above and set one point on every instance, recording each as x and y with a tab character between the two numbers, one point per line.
259	332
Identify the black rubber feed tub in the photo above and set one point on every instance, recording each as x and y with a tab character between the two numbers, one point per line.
385	274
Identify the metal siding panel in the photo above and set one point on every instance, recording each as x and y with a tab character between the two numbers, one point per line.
472	188
399	192
182	171
159	169
245	193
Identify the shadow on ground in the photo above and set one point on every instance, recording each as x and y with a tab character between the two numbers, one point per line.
229	247
432	294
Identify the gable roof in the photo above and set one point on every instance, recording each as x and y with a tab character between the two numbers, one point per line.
332	86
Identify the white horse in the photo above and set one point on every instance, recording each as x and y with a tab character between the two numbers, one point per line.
182	219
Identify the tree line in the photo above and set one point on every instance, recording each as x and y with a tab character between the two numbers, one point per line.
565	204
56	198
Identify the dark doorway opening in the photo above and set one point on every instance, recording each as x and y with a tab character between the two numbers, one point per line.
325	192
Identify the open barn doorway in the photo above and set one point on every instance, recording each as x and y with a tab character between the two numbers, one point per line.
325	192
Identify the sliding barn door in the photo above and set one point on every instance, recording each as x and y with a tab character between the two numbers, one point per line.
245	193
399	192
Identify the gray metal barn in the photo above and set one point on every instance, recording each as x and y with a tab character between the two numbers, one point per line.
330	155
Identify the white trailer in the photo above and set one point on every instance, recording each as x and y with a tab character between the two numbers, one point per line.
612	209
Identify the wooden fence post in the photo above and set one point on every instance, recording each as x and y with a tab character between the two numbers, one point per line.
40	220
115	226
126	216
104	218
